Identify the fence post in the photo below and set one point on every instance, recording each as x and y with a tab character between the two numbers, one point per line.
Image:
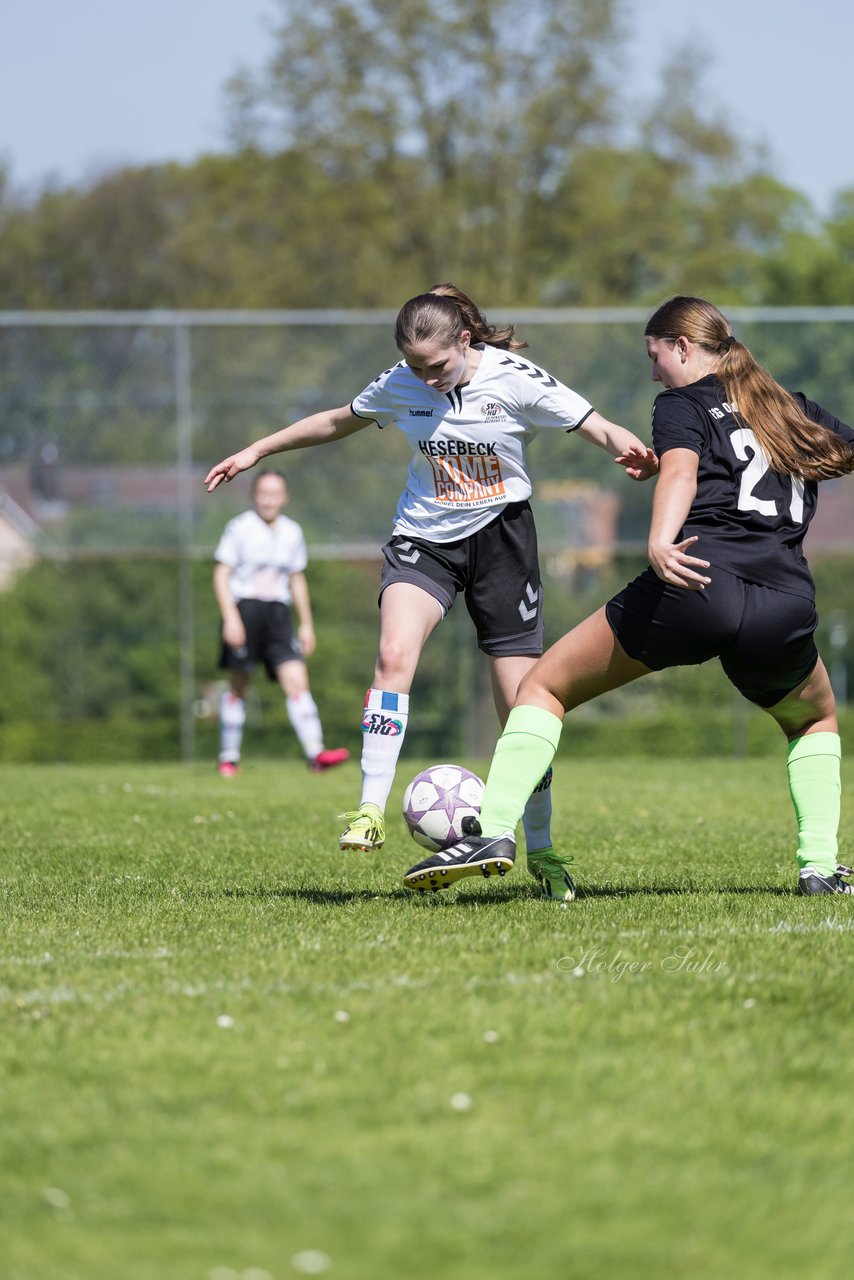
186	628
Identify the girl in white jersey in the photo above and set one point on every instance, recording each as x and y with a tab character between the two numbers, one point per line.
469	406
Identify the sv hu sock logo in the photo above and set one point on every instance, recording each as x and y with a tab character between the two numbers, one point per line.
387	726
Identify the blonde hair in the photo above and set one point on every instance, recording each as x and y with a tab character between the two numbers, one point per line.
792	442
442	314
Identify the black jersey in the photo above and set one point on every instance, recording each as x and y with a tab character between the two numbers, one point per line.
749	519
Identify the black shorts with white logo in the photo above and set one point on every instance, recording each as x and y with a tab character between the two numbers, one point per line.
764	638
269	638
496	569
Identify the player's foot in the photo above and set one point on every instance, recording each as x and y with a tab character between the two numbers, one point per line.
813	881
476	855
549	870
227	768
365	829
328	759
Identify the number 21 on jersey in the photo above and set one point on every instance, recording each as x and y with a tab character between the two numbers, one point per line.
742	441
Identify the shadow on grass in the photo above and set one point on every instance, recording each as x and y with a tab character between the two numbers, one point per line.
328	897
650	891
495	897
686	890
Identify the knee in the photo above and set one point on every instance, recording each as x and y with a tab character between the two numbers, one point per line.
798	718
394	660
294	685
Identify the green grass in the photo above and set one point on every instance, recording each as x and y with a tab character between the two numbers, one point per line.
659	1074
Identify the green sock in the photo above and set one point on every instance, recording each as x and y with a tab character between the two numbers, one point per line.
814	785
523	753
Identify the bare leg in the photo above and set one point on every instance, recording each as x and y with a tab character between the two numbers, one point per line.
293	678
506	674
810	708
408	616
586	662
239	682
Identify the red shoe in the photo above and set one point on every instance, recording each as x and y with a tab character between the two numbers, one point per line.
227	768
329	759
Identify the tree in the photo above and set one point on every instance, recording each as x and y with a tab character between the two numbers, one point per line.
687	208
814	266
465	114
388	144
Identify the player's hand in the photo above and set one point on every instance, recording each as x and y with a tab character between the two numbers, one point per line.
640	463
672	564
231	467
234	633
307	641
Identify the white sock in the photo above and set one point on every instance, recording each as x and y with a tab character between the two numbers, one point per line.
303	715
232	717
383	730
537	818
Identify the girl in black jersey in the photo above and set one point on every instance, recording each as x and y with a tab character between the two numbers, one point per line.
740	459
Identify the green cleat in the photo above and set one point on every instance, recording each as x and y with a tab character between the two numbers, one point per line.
549	870
365	829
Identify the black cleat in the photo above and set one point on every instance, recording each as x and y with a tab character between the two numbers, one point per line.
812	881
475	855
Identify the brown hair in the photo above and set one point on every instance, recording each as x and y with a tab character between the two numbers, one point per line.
442	314
792	442
268	471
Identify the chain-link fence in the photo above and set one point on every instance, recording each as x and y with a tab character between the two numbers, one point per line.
111	420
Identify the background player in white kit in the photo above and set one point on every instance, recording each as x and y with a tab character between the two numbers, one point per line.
261	558
469	407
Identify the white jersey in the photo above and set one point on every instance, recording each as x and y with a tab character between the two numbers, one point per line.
468	444
261	556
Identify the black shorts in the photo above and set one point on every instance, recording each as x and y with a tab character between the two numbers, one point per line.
269	638
763	638
496	568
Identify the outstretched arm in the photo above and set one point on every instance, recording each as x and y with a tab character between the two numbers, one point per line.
675	490
319	428
625	448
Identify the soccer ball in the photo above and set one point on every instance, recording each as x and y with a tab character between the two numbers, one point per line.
437	800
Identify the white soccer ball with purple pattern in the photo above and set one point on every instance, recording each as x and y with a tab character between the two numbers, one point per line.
437	800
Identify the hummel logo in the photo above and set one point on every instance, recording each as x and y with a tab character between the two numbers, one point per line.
532	371
405	546
526	613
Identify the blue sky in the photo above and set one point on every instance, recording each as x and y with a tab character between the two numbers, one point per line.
86	85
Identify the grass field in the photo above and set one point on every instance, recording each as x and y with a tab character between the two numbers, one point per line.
230	1051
